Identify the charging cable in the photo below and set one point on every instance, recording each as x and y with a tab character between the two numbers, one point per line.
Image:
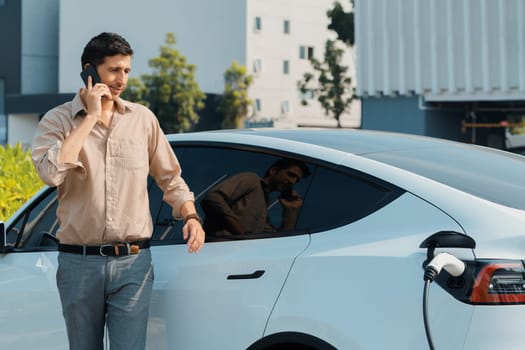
453	266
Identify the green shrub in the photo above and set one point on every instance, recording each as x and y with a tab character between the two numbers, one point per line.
18	179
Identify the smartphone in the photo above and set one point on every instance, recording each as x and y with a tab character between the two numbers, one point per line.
90	70
287	192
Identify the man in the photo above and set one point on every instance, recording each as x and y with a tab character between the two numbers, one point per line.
99	150
239	204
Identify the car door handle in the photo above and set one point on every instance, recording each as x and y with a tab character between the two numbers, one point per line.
248	276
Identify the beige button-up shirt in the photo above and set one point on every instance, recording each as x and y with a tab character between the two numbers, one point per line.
240	196
103	197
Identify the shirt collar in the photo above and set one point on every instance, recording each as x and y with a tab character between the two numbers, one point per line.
78	107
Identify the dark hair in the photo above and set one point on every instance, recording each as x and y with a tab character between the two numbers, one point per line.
104	45
285	163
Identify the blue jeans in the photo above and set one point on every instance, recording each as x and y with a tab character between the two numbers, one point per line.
95	290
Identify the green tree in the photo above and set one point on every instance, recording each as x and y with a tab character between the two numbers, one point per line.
19	180
171	91
342	23
333	89
234	102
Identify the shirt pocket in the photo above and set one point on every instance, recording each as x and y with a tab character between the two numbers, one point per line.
129	154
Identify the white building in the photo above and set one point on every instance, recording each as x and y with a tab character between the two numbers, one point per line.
272	38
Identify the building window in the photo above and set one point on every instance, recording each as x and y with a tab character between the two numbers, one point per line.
3	117
306	52
258	105
286	67
258	24
310	52
302	52
285	107
286	26
258	65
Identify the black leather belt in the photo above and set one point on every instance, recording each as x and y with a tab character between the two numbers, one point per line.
110	249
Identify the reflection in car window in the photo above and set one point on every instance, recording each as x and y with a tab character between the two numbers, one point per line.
202	168
337	198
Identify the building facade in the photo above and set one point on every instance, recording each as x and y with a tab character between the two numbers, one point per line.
445	68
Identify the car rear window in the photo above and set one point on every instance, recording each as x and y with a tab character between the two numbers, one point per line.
494	175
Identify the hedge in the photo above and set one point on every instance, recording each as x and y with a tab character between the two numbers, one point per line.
18	179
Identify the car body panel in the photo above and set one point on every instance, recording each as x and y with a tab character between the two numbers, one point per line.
489	330
192	292
31	315
381	252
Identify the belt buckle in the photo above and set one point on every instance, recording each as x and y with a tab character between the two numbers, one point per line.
102	247
116	249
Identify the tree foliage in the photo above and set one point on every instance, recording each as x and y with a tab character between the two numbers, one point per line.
19	180
342	23
333	88
235	102
171	91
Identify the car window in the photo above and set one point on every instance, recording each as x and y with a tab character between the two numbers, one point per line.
202	169
337	198
36	227
331	196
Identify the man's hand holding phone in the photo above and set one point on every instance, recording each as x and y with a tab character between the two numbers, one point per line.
289	198
94	91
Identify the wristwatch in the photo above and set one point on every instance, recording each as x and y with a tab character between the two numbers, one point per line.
192	216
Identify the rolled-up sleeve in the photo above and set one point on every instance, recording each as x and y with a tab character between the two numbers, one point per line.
45	151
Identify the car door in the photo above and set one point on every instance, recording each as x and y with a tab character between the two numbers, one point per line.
30	311
221	297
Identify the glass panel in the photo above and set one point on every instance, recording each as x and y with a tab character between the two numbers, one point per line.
336	198
286	67
491	174
286	26
302	52
3	117
310	52
213	166
37	226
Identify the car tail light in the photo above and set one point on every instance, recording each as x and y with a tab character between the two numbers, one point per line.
488	282
499	283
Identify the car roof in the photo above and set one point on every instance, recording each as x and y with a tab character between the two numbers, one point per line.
355	141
